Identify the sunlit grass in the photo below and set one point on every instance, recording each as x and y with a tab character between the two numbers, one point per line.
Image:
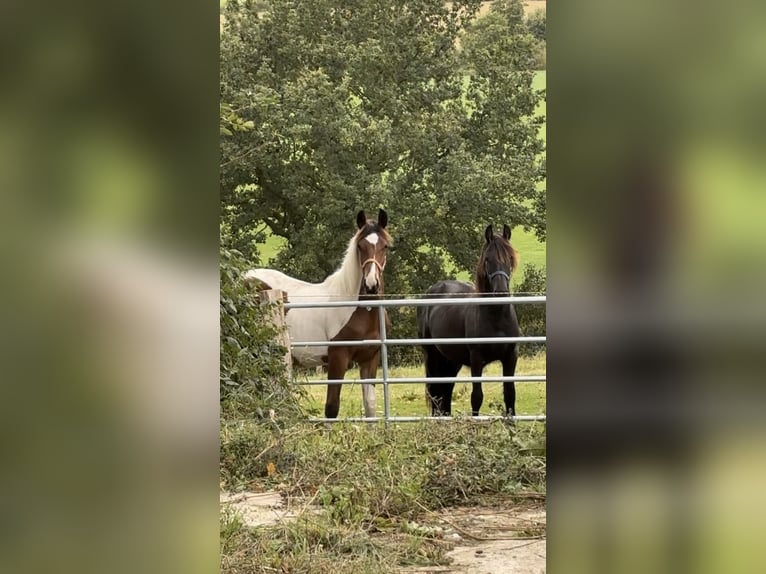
409	399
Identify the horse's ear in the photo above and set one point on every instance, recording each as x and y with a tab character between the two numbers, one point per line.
506	232
382	218
361	220
488	233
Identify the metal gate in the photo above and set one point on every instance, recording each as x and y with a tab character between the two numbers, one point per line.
384	342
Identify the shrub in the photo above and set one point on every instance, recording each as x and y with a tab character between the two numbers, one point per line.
532	316
536	24
253	378
404	326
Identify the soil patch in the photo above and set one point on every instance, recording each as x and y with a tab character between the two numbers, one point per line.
509	540
485	540
258	508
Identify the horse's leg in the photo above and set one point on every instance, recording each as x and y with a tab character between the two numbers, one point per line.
447	369
438	395
433	398
337	364
446	397
509	388
477	394
369	370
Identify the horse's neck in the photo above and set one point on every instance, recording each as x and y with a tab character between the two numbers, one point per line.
346	280
494	313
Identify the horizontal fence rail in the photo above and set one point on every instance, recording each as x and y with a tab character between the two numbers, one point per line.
410	380
434	341
481	418
384	342
421	302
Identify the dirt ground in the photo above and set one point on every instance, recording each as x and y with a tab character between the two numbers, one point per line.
504	540
493	541
259	508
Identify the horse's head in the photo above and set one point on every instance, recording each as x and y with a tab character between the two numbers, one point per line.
497	262
372	242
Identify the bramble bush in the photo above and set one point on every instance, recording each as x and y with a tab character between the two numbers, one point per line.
253	378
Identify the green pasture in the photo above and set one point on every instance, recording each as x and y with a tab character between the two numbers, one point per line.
409	399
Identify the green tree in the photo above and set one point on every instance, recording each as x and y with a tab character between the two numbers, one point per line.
536	24
332	108
532	315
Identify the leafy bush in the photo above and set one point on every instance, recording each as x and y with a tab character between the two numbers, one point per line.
253	378
536	24
532	316
404	326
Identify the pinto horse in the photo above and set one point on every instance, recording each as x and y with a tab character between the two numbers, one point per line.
497	262
359	277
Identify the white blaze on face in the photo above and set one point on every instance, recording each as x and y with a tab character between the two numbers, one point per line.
372	276
371	279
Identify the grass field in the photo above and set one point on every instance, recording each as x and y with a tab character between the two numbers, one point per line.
409	399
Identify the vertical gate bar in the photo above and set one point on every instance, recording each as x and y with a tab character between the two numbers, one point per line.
384	364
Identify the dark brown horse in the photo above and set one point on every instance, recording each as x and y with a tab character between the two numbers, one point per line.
497	262
360	276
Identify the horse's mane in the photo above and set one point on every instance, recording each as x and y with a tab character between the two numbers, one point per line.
505	254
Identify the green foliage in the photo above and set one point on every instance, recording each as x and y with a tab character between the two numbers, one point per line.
231	122
377	106
536	24
253	378
404	325
532	316
363	473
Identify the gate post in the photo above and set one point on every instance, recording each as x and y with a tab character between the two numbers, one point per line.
276	315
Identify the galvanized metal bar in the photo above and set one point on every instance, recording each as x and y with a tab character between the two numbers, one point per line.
481	418
442	341
384	363
420	302
423	379
383	342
